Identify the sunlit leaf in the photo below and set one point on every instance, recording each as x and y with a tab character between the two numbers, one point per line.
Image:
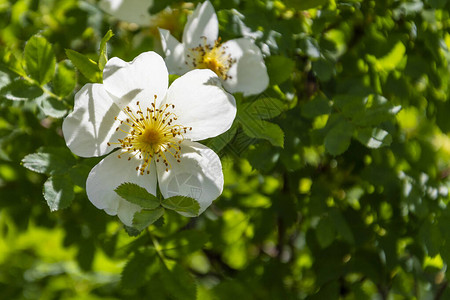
85	65
182	204
58	192
103	56
137	195
39	59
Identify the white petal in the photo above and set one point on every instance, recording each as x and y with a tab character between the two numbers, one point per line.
201	103
249	72
107	175
174	51
199	175
91	125
202	23
132	11
140	79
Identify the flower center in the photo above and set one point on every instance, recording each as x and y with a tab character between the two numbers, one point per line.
210	57
151	135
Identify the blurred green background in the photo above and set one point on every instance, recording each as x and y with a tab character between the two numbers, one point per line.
344	197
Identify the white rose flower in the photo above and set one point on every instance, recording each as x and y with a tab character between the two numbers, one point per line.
238	63
155	129
132	11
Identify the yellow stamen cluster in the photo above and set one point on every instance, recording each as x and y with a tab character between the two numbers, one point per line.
151	134
211	57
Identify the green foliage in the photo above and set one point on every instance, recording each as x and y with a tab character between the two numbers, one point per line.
336	176
183	204
39	59
103	56
137	195
58	192
85	65
145	218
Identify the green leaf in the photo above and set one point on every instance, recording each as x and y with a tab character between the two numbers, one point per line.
319	105
145	218
390	61
138	195
378	109
260	129
183	204
20	90
338	138
183	243
58	192
264	108
324	68
138	268
39	59
85	65
279	68
341	226
374	137
103	57
131	231
52	107
51	161
219	142
65	80
325	232
179	283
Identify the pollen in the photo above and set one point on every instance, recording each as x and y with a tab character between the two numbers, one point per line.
152	134
213	57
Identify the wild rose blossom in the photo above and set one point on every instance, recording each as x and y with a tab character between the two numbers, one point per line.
151	131
238	63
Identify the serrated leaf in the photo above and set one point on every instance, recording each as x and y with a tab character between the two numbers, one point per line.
338	138
264	108
279	68
182	204
54	161
52	107
103	57
219	142
183	243
58	192
179	283
145	218
138	195
374	137
39	59
137	269
64	81
14	64
20	90
131	231
256	128
85	65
